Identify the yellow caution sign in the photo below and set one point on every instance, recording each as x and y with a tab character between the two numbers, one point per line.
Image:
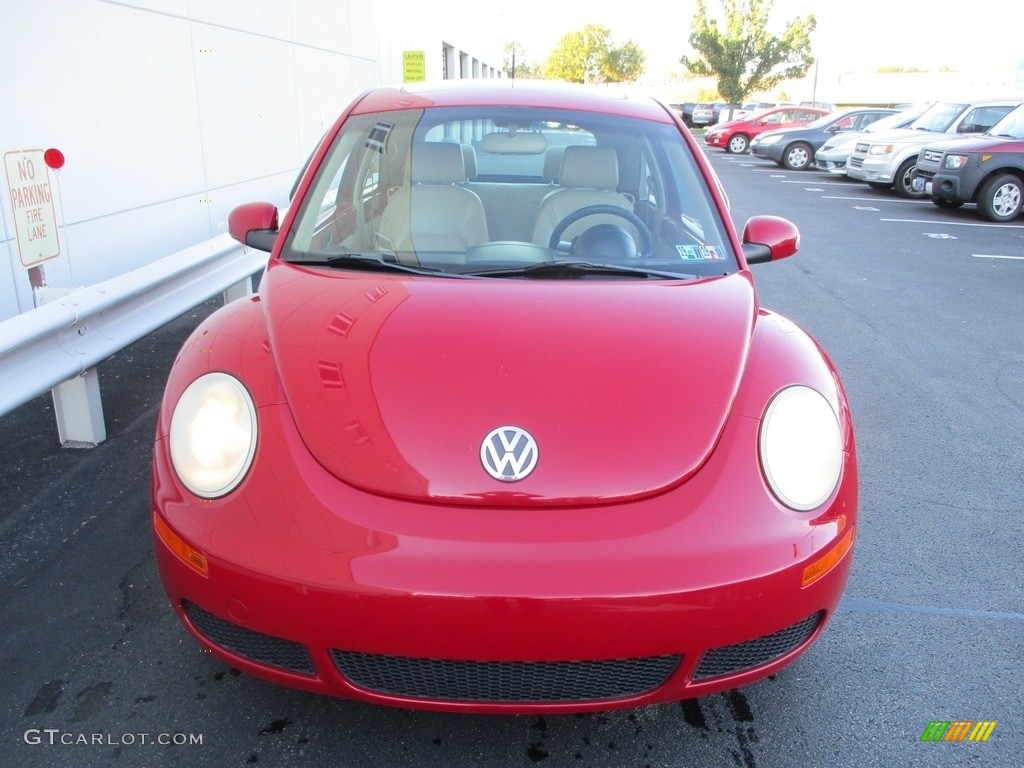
414	66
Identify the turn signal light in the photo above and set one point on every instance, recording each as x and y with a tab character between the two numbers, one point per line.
188	554
818	569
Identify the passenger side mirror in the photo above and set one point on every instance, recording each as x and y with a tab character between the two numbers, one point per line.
769	238
255	225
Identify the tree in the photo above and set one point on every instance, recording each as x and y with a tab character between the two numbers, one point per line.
588	56
746	58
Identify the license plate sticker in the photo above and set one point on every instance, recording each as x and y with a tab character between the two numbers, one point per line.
700	253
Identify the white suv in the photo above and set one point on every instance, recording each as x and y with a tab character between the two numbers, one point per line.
887	159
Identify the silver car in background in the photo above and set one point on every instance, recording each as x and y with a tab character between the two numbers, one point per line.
833	154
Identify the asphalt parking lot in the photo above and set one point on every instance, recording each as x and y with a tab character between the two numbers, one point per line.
920	308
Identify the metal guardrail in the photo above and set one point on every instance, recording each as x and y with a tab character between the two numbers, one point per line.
56	346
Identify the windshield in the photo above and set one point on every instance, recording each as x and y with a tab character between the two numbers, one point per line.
826	120
1011	126
489	190
899	120
938	117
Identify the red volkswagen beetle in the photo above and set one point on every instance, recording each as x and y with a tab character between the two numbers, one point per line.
505	428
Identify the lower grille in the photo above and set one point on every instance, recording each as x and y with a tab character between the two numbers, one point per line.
926	175
753	653
856	162
262	649
504	681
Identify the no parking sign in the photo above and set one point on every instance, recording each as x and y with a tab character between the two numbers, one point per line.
31	199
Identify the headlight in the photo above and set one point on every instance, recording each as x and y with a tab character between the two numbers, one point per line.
763	140
801	448
213	435
955	162
881	149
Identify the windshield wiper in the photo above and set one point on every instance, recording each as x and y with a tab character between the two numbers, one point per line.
371	264
578	269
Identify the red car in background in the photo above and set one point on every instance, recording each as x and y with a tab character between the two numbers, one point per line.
506	428
735	136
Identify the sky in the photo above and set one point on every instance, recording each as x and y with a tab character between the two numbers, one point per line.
851	34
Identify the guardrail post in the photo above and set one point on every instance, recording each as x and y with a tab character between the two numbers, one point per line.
238	290
79	411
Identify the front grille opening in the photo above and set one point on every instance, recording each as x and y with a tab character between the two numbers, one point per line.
504	681
254	646
753	653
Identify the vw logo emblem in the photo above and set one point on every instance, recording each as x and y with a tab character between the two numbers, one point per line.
508	453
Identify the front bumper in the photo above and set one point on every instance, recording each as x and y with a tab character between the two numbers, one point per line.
768	151
873	168
953	186
314	584
833	162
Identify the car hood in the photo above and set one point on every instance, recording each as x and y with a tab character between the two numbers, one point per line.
764	135
979	144
394	382
907	136
726	125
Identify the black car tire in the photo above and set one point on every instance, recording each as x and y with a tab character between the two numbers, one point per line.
879	185
738	144
904	180
798	156
999	198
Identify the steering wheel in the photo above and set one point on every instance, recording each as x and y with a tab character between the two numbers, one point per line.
646	240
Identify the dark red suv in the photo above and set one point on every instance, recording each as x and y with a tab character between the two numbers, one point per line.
987	170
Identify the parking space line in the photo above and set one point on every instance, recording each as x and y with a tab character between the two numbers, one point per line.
996	256
877	199
809	180
957	223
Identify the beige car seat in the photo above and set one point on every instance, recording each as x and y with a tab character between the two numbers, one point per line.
433	213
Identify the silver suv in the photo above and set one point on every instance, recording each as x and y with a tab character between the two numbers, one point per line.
887	159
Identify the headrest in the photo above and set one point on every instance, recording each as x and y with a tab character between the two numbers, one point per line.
437	162
553	163
469	160
590	167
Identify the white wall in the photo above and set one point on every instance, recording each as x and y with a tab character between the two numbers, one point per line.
169	113
172	112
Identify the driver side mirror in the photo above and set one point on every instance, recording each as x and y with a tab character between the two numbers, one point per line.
769	238
255	225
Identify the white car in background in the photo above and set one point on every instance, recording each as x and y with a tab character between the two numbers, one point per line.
833	154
